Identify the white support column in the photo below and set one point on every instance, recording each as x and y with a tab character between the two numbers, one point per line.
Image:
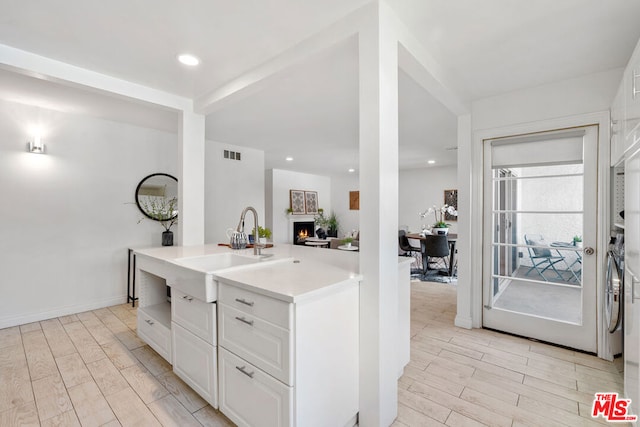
378	48
191	179
464	316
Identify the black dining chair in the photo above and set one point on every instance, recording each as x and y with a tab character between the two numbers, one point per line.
404	244
435	253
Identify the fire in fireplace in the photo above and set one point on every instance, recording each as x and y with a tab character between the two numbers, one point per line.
302	230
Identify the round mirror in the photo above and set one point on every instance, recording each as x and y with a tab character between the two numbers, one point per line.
157	197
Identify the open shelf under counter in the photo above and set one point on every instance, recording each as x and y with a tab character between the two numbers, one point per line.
160	312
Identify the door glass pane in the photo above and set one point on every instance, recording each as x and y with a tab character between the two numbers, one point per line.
537	266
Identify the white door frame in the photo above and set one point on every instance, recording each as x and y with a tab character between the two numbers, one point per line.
470	299
581	336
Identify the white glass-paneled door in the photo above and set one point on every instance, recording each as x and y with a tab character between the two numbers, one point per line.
540	213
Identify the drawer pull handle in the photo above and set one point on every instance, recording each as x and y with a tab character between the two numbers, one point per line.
188	298
242	369
242	301
149	321
243	320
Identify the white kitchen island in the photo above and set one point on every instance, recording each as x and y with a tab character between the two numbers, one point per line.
270	341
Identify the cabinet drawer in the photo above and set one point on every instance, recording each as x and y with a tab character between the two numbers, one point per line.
249	397
195	315
270	309
154	333
195	361
265	345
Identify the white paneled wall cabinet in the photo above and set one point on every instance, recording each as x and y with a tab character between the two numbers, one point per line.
625	111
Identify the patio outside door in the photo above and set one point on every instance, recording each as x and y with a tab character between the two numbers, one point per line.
540	192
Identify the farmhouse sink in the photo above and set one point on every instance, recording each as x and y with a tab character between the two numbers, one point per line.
215	262
195	276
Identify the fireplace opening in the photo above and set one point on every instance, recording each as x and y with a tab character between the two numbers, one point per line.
302	230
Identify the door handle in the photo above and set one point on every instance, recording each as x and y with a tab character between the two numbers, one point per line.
589	251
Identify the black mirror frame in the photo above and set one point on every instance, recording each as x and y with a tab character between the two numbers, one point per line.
140	185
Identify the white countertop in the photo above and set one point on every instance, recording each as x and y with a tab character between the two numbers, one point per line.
277	276
291	280
318	270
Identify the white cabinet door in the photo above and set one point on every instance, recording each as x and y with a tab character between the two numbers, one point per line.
249	397
617	127
197	316
265	345
631	342
195	361
270	309
631	81
152	328
632	211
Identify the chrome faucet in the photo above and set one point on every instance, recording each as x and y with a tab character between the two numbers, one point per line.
256	245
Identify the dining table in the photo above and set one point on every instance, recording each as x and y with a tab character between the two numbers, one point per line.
452	238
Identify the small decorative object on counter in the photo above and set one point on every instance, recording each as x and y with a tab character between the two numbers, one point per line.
237	239
577	241
347	241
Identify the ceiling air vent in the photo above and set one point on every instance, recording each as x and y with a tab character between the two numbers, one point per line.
232	155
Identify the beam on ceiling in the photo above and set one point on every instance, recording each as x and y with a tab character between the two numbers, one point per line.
259	77
44	68
416	61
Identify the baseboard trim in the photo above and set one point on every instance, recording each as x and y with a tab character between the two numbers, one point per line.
463	322
9	321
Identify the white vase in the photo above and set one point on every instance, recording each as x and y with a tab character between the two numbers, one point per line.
262	240
440	230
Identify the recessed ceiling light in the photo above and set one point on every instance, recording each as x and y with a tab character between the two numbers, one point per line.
187	59
289	159
352	170
431	161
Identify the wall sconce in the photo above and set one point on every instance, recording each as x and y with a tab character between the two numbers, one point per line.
36	146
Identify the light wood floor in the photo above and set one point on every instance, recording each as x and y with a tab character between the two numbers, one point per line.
460	377
90	369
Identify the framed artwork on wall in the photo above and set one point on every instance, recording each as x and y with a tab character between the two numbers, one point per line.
354	200
296	198
311	202
451	199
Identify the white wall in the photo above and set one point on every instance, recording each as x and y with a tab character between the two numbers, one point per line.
279	182
585	94
422	188
230	186
341	185
69	216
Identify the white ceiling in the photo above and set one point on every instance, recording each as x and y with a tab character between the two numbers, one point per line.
485	47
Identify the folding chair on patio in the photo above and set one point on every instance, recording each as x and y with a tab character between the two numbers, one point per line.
541	256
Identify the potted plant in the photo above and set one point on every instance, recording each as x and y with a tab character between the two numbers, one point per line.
347	241
577	241
440	226
321	220
263	234
332	225
165	211
289	211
